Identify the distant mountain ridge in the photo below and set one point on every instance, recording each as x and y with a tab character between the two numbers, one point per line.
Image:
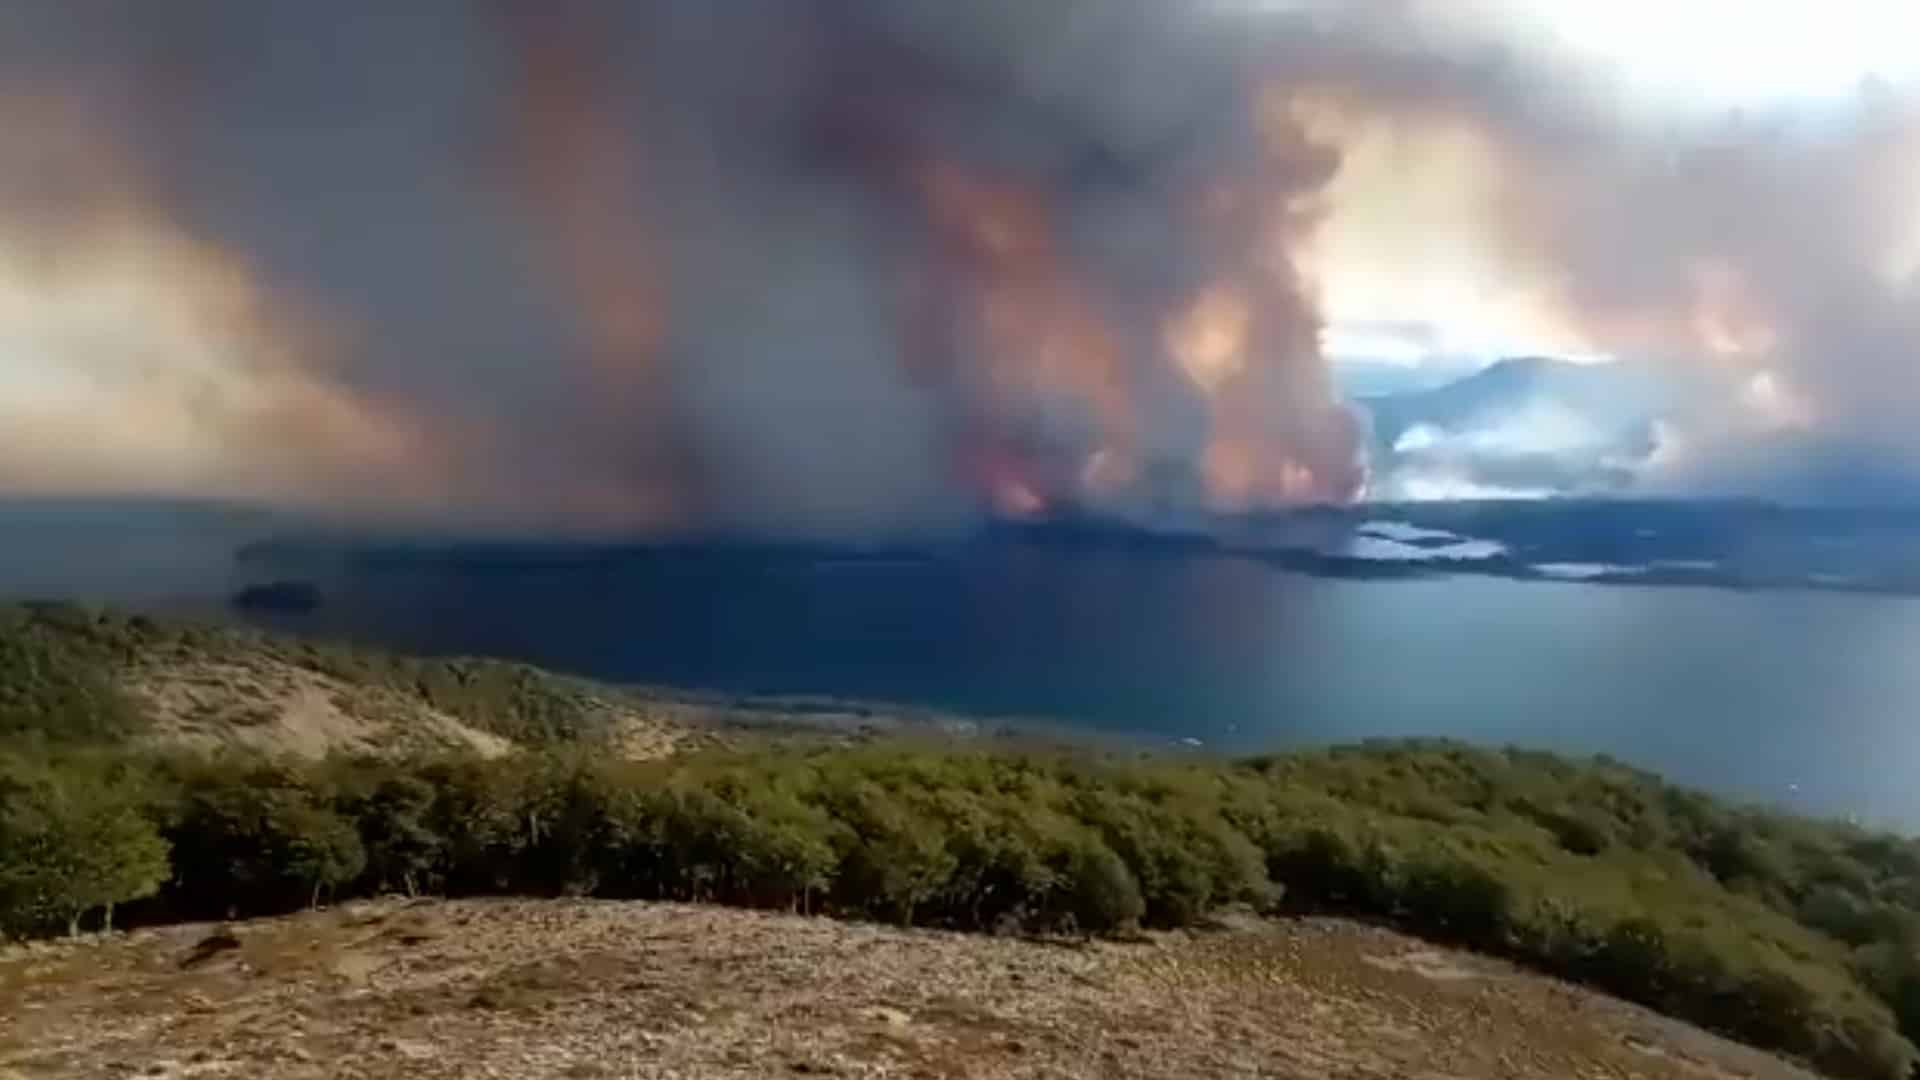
1619	391
1530	424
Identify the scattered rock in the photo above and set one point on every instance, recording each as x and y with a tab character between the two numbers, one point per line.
409	1049
880	1014
593	990
418	935
1428	963
220	941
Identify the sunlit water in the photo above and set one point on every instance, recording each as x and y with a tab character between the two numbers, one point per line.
1798	698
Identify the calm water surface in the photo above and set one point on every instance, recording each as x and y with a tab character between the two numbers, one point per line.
1799	698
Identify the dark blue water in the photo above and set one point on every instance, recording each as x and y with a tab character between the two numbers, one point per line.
1810	700
1799	698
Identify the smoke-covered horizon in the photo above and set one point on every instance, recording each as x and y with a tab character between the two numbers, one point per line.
827	268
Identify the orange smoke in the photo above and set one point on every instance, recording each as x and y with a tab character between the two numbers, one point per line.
140	356
1210	337
1041	337
1249	339
1053	376
581	175
1727	319
1246	338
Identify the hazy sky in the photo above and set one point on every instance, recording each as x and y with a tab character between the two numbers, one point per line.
832	267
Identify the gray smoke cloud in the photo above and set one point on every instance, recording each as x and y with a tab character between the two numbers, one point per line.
770	265
848	268
1767	257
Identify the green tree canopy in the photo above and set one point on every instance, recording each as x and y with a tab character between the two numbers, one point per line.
71	842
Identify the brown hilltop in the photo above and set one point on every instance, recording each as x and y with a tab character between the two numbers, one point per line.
582	989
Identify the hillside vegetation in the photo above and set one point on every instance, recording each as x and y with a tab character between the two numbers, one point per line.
1791	934
70	676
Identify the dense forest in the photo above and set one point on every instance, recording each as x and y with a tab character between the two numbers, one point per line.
1797	935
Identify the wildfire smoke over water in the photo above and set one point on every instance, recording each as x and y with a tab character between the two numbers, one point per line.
673	284
1008	296
140	356
823	268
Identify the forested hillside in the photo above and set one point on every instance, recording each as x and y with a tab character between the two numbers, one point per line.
1791	934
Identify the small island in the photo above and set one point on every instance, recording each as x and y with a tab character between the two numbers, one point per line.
278	597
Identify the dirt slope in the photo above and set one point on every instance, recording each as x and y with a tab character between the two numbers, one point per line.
254	699
524	989
273	707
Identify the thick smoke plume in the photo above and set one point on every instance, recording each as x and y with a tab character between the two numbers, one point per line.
1766	256
859	268
757	264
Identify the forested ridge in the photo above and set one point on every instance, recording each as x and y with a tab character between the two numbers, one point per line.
1792	934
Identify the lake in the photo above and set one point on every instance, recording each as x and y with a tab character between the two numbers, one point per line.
1802	699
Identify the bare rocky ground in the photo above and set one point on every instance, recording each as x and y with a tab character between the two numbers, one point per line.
582	990
272	707
253	701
